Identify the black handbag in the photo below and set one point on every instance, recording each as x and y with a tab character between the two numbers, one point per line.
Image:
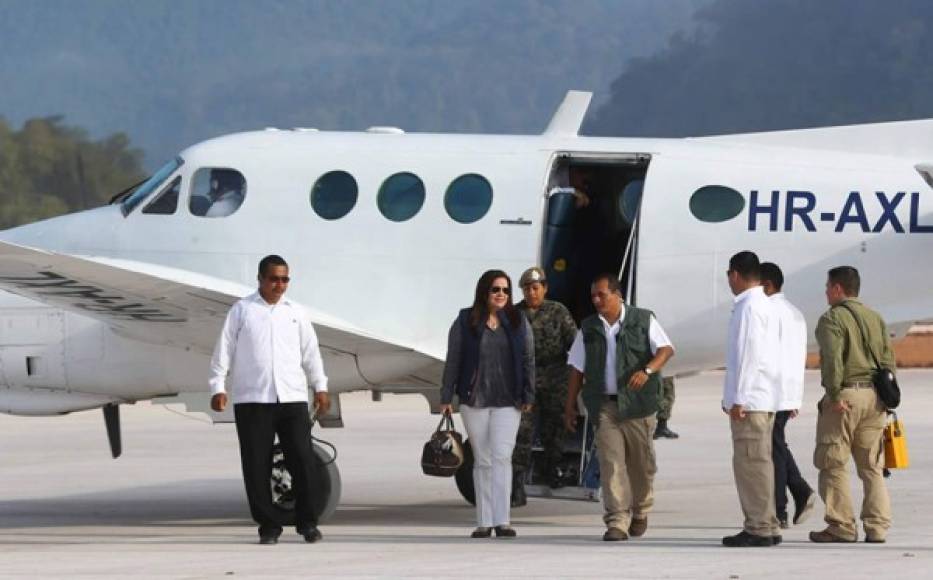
443	453
883	379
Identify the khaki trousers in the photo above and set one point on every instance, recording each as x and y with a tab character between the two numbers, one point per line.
856	432
626	465
754	472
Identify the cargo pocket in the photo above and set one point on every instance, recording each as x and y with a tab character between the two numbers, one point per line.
830	454
869	448
750	447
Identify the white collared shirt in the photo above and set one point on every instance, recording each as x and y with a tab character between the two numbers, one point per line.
753	353
577	355
793	338
267	353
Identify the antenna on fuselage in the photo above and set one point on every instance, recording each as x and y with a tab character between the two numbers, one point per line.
568	118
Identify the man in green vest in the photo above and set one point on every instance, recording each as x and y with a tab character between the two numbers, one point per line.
852	337
616	359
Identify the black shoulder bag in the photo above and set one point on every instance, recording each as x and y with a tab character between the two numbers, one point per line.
884	380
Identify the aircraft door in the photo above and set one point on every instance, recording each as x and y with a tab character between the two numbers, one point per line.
558	243
629	207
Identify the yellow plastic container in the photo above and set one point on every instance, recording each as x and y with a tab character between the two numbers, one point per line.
895	445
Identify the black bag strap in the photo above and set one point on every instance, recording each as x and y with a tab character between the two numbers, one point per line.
446	423
864	332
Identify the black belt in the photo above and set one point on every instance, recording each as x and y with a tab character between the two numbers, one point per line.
611	397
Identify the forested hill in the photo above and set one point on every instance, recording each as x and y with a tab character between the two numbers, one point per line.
48	168
170	73
779	64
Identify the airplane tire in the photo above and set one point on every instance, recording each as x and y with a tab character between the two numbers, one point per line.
464	475
326	486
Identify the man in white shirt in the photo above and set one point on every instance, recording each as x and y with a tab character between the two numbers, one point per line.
793	337
750	394
620	352
267	355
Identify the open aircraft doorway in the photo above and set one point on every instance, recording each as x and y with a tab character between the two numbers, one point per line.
591	225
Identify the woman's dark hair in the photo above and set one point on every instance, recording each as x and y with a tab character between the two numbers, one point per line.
480	310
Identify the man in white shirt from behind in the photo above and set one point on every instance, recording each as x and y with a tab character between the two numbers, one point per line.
750	394
793	339
267	355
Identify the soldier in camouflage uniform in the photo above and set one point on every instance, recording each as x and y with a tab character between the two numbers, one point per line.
554	331
664	413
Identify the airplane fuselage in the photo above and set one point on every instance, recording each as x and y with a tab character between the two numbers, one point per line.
404	281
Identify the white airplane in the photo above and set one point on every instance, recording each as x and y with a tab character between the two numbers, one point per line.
386	234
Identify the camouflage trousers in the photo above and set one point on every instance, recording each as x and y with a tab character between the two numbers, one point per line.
550	395
666	404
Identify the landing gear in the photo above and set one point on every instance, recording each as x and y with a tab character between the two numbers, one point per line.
464	479
576	477
464	475
326	485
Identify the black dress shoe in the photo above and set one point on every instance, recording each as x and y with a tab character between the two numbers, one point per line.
311	535
662	430
481	533
505	532
776	540
556	479
268	539
745	540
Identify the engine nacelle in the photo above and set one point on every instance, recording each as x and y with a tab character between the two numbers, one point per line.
54	362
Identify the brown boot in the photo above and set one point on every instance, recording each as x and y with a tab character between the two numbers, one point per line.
638	527
827	537
615	535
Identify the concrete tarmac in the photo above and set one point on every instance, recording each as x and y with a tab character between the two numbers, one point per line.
173	505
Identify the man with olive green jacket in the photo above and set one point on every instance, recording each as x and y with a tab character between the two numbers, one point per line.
851	416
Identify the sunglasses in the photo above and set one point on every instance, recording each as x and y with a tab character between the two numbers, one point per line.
282	279
500	290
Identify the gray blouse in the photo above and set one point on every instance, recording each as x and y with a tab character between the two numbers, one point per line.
493	387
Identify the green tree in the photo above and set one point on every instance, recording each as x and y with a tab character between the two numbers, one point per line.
48	168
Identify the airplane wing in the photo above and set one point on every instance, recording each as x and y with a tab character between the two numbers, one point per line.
161	305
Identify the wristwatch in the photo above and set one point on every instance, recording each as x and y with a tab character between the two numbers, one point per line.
649	371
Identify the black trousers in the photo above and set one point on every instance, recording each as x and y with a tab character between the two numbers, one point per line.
786	474
257	425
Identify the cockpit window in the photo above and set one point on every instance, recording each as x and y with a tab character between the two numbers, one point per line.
150	185
167	201
216	192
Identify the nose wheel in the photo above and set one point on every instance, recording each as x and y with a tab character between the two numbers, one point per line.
326	484
464	475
